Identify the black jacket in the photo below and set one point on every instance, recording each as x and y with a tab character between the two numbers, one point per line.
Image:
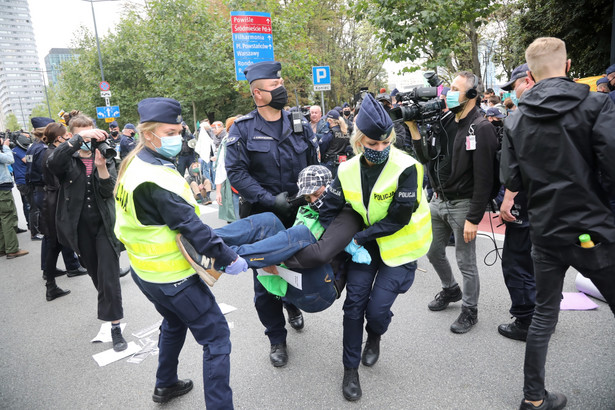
458	173
554	146
330	246
64	162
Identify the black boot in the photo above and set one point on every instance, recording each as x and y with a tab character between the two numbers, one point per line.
54	292
516	330
295	317
351	387
371	352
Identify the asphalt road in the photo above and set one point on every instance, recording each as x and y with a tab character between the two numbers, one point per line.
46	354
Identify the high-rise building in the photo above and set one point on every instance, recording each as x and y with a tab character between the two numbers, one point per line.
21	81
54	59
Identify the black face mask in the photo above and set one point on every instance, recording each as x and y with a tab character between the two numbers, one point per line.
279	97
346	113
132	134
611	86
497	123
114	133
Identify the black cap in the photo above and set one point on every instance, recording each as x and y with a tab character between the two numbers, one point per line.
517	73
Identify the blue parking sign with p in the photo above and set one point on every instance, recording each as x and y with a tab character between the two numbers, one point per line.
321	75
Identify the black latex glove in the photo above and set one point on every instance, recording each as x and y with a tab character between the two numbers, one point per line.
281	207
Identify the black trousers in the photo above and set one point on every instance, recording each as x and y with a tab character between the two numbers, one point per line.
51	249
518	271
36	195
102	262
550	266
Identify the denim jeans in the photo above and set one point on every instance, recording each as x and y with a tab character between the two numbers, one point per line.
262	240
550	266
448	217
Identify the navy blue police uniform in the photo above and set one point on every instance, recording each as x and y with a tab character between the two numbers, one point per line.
188	303
34	176
371	289
264	159
517	263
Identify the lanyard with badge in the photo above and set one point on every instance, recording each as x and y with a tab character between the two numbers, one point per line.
471	139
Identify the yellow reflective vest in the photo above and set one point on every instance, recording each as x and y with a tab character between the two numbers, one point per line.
152	250
413	240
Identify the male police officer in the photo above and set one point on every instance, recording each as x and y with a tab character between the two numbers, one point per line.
517	264
265	154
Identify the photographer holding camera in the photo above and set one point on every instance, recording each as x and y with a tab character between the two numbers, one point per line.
85	216
461	171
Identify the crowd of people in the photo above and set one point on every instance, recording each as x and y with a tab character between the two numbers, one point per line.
350	200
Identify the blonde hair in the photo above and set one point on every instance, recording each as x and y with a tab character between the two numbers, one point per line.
142	128
546	56
356	140
341	123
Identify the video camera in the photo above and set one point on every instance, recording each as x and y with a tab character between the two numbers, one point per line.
13	138
358	98
420	104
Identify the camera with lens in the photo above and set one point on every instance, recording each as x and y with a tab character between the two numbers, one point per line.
420	104
106	148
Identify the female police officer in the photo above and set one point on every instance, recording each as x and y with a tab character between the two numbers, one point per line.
153	204
383	185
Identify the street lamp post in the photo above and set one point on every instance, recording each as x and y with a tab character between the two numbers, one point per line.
46	95
102	73
23	119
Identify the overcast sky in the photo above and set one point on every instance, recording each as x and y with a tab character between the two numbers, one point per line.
56	21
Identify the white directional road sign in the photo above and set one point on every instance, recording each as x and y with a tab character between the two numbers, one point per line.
105	94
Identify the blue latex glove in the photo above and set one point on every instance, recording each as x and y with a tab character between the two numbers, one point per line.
359	253
238	266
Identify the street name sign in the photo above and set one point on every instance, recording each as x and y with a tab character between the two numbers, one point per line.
252	39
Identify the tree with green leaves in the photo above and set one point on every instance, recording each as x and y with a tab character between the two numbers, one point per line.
430	34
183	49
12	123
42	110
585	26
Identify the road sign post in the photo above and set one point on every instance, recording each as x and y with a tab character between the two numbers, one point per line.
321	77
252	39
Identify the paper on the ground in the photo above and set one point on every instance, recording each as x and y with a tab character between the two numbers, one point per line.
226	308
577	301
295	279
148	330
104	334
110	356
149	347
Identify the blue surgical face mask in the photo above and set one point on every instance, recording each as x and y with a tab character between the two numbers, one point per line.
452	99
514	99
376	157
169	146
85	146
